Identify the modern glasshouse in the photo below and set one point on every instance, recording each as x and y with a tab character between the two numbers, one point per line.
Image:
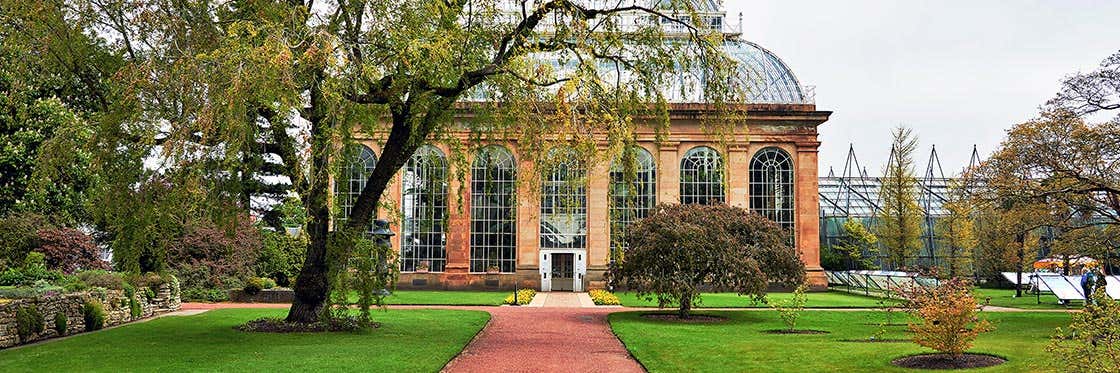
494	232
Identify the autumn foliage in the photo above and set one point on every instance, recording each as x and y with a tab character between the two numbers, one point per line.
947	316
69	250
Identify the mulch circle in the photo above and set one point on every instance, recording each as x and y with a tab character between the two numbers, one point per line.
880	340
946	361
693	319
277	325
796	331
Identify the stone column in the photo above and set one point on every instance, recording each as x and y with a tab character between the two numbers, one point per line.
528	222
458	226
668	173
598	221
808	213
738	171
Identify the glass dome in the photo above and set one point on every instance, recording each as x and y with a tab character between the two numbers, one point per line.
767	78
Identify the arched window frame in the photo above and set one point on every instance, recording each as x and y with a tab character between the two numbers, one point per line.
771	187
633	198
424	210
355	172
702	176
563	201
493	210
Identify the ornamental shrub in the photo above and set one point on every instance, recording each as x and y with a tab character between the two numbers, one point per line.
254	285
604	298
947	314
681	249
94	315
102	279
134	307
281	256
28	322
524	296
60	322
69	250
1091	341
204	295
790	309
207	256
18	233
33	270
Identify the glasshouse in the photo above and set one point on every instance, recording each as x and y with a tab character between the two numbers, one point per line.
494	229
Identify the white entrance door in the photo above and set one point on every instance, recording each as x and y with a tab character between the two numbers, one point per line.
546	269
581	271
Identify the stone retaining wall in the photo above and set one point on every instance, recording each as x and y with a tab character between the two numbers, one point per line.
114	302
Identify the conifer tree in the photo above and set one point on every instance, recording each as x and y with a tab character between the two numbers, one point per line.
899	218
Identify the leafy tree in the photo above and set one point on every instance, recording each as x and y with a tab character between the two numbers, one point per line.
1091	343
680	250
1061	161
54	87
69	250
1091	92
848	253
1006	232
212	79
899	220
957	230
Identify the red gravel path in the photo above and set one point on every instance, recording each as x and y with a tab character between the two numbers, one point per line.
524	339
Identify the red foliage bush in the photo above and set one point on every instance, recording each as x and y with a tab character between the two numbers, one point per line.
213	257
69	250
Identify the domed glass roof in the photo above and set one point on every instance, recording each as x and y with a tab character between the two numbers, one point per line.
767	78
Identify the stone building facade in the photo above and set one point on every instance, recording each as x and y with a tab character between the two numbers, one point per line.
493	230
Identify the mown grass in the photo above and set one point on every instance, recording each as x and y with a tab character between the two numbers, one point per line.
829	299
444	298
741	345
407	341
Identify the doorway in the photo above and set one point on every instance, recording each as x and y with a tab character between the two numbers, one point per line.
563	271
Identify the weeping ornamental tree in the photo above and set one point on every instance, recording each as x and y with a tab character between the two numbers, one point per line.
211	80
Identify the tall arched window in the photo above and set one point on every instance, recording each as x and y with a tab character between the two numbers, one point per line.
563	201
702	176
493	210
355	171
771	186
633	191
424	203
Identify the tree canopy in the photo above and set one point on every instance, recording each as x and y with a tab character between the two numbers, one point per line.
207	99
681	250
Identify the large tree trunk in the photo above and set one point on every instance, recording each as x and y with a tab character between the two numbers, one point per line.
312	288
686	306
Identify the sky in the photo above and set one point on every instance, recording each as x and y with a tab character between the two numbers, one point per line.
960	73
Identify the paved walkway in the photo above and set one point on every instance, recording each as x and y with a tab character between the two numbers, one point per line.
545	339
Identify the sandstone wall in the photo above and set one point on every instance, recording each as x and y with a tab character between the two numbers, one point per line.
115	303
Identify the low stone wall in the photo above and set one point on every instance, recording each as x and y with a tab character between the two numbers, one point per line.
114	302
277	295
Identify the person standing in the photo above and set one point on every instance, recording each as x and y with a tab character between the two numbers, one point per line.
1088	282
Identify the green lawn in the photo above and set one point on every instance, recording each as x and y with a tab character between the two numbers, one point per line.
407	341
453	298
1006	298
740	344
829	299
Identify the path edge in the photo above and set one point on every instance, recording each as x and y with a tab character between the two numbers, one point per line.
475	337
631	354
